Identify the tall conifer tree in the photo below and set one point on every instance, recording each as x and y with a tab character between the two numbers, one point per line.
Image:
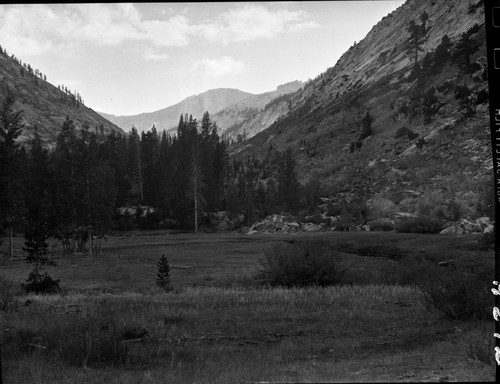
11	202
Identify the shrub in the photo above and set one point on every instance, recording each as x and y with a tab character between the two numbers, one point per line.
333	209
482	97
405	131
480	346
461	294
430	105
487	241
150	220
41	283
302	263
124	221
381	225
412	270
462	92
421	224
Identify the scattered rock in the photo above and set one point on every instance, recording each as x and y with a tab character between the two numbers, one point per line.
284	223
479	225
452	230
489	229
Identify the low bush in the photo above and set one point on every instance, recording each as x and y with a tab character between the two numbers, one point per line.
481	345
461	294
421	224
405	131
41	283
381	225
124	222
150	220
302	263
413	271
482	97
487	241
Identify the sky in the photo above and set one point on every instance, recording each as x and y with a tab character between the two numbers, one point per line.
131	58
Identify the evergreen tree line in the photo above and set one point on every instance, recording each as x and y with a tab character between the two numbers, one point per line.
73	192
24	67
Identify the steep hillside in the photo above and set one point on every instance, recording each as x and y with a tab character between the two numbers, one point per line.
213	101
255	113
382	131
44	105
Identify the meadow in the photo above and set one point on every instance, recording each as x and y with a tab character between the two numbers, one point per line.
222	323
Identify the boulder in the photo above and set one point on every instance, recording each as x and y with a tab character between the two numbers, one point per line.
452	230
489	229
311	227
485	221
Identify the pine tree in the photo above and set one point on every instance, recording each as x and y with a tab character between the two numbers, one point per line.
135	161
464	50
37	229
418	36
197	185
163	274
11	202
38	226
36	245
366	126
67	187
288	185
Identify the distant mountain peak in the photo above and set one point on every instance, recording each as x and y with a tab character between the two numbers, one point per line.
290	84
213	100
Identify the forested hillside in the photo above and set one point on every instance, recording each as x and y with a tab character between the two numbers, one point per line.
45	106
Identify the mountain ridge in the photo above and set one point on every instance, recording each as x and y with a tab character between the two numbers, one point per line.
213	101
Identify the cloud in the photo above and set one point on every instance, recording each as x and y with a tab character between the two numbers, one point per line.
252	22
44	28
218	67
154	56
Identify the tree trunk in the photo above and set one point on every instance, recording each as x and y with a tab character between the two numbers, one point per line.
91	248
100	246
195	203
140	171
11	243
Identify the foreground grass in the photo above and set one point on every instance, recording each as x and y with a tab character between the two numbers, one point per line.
111	325
216	335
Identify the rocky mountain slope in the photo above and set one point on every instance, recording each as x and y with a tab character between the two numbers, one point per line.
255	113
45	106
381	132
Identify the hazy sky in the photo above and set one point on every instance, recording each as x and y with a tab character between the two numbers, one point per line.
127	58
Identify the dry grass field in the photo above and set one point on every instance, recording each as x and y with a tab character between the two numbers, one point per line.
221	324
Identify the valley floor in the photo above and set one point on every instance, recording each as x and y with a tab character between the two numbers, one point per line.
220	325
